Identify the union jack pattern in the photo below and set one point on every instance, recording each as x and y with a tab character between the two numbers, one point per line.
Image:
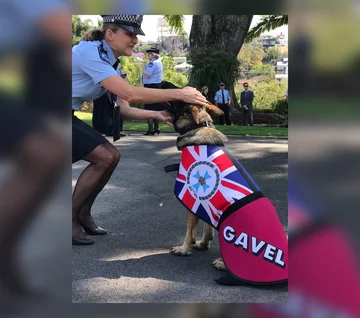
209	181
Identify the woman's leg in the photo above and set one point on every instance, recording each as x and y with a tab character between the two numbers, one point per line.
102	163
85	212
156	125
150	125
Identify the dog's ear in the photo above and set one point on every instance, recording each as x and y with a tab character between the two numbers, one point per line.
169	106
195	113
213	110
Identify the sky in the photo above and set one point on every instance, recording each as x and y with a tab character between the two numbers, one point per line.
150	21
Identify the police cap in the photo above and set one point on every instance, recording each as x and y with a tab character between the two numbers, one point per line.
153	50
131	23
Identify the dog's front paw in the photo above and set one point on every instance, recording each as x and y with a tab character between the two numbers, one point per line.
180	251
201	245
219	264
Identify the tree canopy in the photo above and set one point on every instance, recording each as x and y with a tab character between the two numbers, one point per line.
267	23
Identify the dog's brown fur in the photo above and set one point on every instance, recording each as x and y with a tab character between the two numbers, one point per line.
187	121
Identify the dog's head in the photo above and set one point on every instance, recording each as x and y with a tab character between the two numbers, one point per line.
187	117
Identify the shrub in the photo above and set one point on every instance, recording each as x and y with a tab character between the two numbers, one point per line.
268	94
87	107
281	107
265	69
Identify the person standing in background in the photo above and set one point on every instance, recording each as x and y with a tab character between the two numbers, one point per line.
205	92
246	100
222	100
152	77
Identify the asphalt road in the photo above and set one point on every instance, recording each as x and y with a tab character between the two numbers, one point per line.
133	263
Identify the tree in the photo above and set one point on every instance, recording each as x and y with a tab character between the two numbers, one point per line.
215	42
272	54
142	47
267	23
250	56
79	28
132	66
170	73
176	23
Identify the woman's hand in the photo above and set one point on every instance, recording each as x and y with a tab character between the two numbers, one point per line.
192	96
164	116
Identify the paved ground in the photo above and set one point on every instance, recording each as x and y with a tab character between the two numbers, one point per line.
132	263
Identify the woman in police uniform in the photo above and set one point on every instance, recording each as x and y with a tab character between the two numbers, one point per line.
152	78
94	71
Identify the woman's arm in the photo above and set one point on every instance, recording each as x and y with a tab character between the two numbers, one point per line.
141	95
128	112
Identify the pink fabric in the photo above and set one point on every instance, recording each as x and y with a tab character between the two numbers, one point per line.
255	229
324	279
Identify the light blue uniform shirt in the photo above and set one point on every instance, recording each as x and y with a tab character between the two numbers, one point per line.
219	99
155	70
90	65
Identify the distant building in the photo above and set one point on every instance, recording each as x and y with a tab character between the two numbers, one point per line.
183	67
282	68
179	59
281	39
267	41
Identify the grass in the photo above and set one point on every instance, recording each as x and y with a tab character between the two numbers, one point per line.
227	130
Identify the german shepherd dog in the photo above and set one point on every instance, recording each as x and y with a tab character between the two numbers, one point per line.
195	125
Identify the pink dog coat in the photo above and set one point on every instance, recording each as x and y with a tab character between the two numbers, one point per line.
213	185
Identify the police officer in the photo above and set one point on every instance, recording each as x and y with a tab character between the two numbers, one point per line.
152	78
94	71
222	100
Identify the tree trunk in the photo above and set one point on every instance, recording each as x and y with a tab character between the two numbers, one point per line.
223	34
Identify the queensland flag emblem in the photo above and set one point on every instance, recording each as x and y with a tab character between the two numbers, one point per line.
215	186
208	182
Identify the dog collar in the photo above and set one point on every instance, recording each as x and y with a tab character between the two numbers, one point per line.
204	124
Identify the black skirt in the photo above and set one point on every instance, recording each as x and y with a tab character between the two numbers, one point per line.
84	139
155	106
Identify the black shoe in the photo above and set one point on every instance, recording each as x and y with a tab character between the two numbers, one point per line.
157	131
94	231
152	133
82	241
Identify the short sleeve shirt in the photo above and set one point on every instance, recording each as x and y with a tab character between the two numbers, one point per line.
155	70
218	96
92	62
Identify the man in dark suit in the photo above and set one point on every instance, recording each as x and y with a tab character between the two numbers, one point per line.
246	100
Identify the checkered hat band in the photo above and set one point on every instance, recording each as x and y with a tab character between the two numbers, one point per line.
131	20
138	30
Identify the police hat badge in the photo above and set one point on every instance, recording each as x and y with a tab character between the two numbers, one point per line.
131	23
